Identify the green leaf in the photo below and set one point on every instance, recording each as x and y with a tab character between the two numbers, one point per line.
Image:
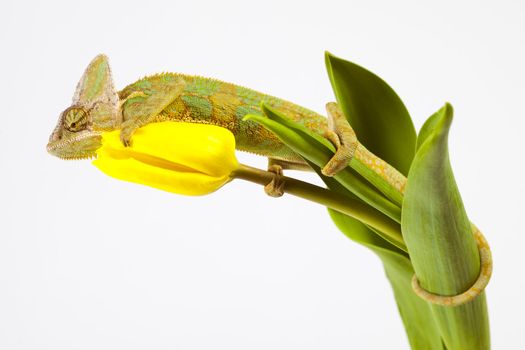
377	114
439	237
319	151
416	314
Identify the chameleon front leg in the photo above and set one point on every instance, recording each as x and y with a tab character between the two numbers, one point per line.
140	107
340	133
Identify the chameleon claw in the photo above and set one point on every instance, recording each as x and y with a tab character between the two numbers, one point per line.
276	187
126	133
126	140
343	137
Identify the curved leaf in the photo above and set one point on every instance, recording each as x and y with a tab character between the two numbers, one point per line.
439	237
377	114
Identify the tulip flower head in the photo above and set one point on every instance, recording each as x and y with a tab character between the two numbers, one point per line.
184	158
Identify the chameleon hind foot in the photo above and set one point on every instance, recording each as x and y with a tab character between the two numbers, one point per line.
343	137
276	187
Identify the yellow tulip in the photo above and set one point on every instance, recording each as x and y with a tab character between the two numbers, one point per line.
184	158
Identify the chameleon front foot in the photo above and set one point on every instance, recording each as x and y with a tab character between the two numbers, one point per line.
127	131
343	137
276	187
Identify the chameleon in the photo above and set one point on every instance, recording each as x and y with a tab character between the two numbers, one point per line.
98	107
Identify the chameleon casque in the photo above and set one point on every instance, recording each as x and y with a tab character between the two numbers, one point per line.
97	107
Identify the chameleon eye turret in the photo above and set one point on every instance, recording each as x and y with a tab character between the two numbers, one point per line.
75	119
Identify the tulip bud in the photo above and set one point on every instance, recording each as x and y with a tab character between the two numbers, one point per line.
184	158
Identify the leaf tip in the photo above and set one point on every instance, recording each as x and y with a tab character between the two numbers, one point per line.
437	123
250	117
327	56
448	115
328	60
265	107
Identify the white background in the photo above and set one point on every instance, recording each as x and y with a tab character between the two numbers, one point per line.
88	262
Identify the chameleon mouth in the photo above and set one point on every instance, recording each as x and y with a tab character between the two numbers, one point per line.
75	147
82	157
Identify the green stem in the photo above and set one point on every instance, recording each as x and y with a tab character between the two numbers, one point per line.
343	204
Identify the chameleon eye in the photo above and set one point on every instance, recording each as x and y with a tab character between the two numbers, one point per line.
75	119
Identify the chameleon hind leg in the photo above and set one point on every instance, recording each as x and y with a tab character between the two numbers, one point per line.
341	134
140	107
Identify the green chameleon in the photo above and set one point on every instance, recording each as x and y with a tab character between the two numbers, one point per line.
97	107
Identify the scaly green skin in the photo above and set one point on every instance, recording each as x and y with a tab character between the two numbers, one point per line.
98	107
211	101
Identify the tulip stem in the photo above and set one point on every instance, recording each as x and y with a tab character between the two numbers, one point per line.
343	204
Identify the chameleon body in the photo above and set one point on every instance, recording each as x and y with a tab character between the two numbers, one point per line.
98	107
210	101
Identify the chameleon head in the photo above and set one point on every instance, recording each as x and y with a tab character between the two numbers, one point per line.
95	109
74	137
